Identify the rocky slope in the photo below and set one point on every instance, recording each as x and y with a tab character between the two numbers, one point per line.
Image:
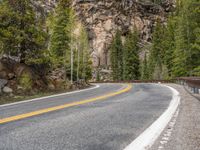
103	17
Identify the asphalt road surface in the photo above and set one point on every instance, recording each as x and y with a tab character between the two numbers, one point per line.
100	123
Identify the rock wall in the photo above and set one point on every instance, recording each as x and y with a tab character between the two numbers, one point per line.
103	17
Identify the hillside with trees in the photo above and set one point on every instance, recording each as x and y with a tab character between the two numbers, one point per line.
42	52
174	50
68	44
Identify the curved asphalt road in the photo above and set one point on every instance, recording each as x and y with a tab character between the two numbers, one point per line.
109	124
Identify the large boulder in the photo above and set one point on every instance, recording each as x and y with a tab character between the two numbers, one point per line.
7	90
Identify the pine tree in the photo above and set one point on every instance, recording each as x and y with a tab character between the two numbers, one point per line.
179	63
195	48
145	73
169	45
181	42
131	57
85	61
156	53
21	31
117	57
175	51
187	52
60	36
193	36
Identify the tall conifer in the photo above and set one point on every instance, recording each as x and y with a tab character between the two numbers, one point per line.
21	31
131	57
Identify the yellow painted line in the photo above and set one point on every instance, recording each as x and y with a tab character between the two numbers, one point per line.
46	110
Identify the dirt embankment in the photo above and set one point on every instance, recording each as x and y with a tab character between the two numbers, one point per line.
17	79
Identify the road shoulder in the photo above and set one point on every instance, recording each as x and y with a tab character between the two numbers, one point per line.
50	96
183	131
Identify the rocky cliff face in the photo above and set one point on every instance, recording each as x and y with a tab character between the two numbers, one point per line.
103	17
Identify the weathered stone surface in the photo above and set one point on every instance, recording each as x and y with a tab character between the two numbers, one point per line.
7	90
3	82
51	86
103	17
11	76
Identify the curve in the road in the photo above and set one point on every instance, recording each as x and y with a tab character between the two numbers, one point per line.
150	135
46	110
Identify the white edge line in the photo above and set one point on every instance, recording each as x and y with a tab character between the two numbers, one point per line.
51	96
145	140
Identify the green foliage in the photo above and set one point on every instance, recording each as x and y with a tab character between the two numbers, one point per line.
131	63
117	57
21	32
125	61
145	73
179	66
157	52
187	52
196	71
65	41
60	35
98	75
168	43
25	81
85	61
175	50
88	72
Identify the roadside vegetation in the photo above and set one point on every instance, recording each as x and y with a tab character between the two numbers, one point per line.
174	52
125	57
42	51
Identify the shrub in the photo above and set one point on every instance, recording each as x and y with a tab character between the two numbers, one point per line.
26	81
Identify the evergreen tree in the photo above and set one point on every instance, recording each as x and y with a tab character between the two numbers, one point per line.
156	53
181	42
169	45
21	32
60	35
193	36
175	50
145	73
117	57
85	62
195	48
68	48
131	57
179	63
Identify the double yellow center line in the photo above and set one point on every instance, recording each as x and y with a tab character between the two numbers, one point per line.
46	110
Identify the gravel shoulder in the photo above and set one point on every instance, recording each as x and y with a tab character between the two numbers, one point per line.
183	132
